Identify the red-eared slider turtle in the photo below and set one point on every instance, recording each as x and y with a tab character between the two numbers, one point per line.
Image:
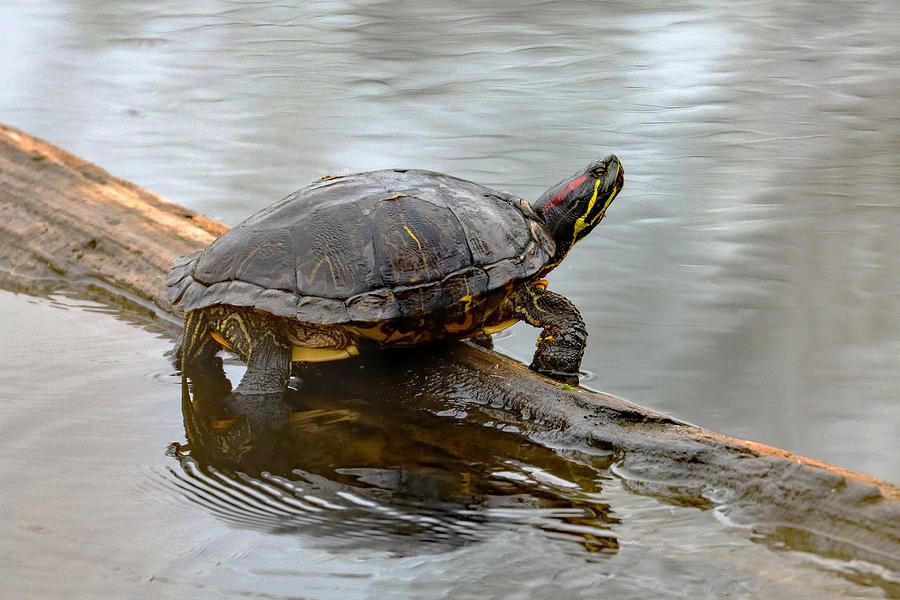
398	257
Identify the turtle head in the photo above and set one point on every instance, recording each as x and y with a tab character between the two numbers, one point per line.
574	206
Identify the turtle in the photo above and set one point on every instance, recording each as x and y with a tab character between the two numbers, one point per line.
394	257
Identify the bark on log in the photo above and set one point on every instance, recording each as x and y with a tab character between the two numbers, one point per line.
63	219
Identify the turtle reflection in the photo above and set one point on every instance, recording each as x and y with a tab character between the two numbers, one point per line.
344	468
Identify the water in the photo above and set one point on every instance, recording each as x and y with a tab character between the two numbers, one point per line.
745	280
117	489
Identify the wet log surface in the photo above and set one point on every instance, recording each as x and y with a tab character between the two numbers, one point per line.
66	222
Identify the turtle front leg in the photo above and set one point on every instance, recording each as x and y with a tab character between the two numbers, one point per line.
560	345
256	339
268	367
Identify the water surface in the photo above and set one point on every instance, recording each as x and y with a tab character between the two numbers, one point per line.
116	485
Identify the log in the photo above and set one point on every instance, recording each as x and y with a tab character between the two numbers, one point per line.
64	221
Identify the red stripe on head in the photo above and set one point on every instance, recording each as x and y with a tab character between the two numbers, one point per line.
561	195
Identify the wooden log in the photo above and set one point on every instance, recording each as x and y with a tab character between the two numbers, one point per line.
65	220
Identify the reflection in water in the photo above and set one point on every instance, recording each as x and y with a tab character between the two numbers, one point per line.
380	453
327	462
388	452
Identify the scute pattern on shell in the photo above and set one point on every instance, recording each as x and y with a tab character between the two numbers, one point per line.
366	247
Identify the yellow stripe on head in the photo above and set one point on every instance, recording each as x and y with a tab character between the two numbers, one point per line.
580	224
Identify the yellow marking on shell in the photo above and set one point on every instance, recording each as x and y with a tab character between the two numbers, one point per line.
467	301
413	236
304	354
325	261
541	283
492	329
458	327
331	270
216	336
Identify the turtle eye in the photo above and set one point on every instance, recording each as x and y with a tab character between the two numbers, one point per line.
598	171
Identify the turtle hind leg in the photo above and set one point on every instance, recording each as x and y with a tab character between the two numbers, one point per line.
196	347
560	346
195	353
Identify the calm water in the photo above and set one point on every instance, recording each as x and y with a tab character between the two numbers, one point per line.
117	488
746	280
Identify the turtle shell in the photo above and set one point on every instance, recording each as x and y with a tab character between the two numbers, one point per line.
367	247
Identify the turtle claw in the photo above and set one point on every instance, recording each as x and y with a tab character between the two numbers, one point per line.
561	376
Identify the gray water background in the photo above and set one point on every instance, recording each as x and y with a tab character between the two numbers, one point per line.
746	279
